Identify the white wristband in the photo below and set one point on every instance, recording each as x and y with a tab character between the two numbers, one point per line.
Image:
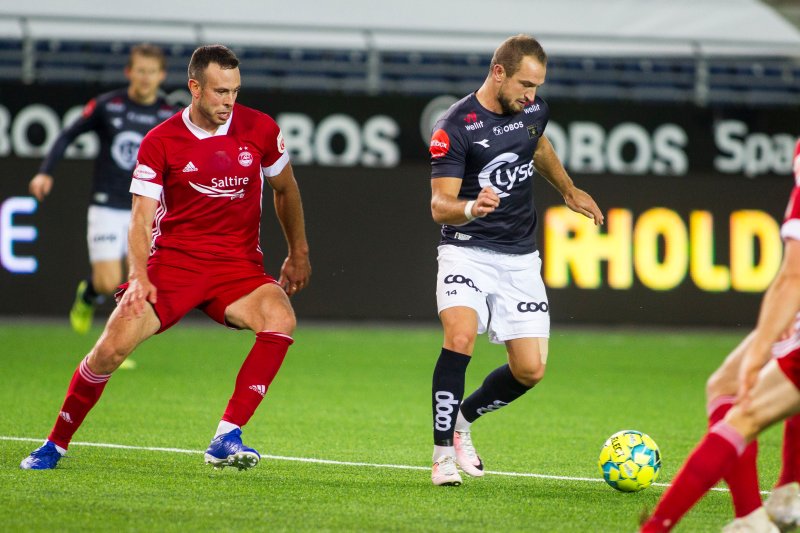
468	211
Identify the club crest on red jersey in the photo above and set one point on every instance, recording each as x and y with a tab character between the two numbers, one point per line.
245	158
440	144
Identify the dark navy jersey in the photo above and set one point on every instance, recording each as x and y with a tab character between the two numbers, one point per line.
121	124
484	148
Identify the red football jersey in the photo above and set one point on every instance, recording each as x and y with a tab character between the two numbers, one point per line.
791	222
209	186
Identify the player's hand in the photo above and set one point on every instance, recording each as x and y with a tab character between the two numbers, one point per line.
580	202
486	202
753	361
139	292
40	186
295	273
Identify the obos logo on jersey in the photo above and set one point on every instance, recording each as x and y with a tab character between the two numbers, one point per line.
440	144
499	174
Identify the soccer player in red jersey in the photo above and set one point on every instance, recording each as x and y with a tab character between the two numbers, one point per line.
767	367
194	243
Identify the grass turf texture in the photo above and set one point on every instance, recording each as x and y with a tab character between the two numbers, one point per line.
351	394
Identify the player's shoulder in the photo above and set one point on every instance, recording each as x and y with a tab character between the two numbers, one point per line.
252	116
461	110
164	109
112	101
120	94
169	127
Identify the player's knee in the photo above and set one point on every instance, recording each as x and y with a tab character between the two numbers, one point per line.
529	374
277	318
461	342
720	384
746	422
106	357
105	282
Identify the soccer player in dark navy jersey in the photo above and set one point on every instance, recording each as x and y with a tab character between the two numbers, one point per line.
484	152
121	118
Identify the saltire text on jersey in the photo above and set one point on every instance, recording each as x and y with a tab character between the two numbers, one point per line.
486	149
209	186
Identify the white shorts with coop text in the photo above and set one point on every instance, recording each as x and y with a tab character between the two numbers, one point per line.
506	290
107	233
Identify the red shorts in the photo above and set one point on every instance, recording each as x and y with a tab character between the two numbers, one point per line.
210	286
790	365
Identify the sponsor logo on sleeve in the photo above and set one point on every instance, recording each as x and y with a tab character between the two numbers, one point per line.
88	109
143	172
281	144
797	169
440	144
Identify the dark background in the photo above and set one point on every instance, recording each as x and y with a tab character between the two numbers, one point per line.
373	242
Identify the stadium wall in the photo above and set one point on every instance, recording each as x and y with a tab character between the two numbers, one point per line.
693	199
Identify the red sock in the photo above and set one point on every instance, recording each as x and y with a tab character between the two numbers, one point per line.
255	376
742	479
704	467
83	392
790	467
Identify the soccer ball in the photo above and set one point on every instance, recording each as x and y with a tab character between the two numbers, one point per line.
629	461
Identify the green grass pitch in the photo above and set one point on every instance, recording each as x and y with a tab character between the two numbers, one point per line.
351	395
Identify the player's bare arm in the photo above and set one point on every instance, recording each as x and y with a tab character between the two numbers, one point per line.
41	185
448	208
140	290
778	309
296	269
547	164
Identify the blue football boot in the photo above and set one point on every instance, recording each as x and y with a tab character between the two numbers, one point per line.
45	457
227	450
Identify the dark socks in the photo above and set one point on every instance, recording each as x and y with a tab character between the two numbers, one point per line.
448	390
499	389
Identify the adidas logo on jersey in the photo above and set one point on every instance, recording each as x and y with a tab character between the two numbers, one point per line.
190	167
260	389
66	417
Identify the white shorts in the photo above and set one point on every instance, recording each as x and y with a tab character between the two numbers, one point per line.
507	291
107	233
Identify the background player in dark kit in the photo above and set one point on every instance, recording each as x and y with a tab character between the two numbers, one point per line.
121	118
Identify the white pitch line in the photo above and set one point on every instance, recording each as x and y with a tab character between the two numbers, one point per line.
334	462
